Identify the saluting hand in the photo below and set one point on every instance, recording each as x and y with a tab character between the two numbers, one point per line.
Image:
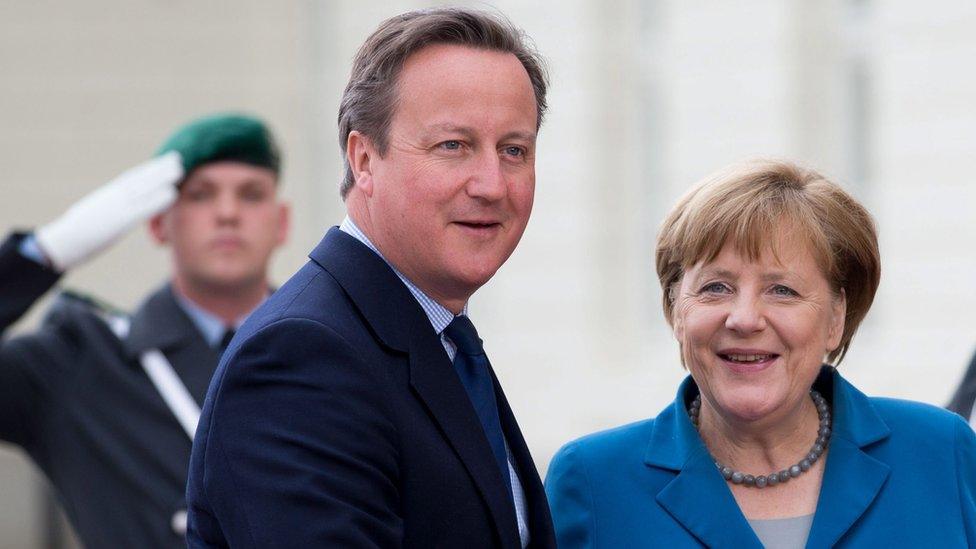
103	216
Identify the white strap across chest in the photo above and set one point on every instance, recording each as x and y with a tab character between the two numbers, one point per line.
162	375
172	389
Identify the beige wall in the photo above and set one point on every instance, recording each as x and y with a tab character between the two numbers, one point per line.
647	97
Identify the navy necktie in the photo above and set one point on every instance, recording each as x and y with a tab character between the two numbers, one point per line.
225	341
473	368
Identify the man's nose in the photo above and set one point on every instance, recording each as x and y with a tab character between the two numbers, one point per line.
228	207
487	180
746	315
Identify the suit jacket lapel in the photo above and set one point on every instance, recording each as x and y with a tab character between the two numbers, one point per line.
852	477
697	497
539	519
435	382
399	323
161	324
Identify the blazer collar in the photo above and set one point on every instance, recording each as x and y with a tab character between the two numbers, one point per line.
400	323
700	500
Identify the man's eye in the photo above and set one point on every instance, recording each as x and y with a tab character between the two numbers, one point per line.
514	151
197	195
253	195
451	145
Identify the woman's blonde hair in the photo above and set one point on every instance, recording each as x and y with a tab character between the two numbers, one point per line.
746	204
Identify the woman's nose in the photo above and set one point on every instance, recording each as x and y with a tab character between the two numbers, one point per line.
746	316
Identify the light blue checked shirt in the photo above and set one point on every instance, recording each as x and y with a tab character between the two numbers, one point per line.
440	317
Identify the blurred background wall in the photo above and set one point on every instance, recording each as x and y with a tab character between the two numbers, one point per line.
646	98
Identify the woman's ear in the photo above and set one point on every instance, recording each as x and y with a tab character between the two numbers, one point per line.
838	319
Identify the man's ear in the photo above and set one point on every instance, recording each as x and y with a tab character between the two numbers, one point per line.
159	227
284	222
359	152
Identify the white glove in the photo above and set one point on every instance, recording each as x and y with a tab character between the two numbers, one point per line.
100	218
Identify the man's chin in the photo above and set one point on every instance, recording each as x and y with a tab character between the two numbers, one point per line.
475	277
229	279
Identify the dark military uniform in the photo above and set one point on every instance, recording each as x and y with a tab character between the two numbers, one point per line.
965	397
76	398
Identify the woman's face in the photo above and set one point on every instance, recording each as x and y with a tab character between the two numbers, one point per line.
754	333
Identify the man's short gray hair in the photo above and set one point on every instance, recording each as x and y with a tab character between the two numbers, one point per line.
370	98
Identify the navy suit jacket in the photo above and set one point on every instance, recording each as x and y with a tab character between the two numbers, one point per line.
336	419
898	474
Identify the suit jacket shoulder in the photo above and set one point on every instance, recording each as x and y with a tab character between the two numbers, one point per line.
336	419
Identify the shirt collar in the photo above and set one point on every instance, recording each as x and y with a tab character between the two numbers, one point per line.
210	326
438	314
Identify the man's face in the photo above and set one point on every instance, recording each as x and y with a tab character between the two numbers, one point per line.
450	198
224	225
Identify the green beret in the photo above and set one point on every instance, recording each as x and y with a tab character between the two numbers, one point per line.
224	137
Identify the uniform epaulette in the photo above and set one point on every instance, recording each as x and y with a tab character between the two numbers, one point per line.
101	306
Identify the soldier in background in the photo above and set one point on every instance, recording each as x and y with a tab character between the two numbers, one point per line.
964	400
104	403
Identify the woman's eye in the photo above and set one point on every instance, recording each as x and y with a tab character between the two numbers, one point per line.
714	288
785	291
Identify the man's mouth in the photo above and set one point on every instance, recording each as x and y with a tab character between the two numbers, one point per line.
479	225
227	242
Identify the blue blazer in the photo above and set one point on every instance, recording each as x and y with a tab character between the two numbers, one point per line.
336	419
898	474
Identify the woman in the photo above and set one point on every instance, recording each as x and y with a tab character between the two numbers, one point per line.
767	271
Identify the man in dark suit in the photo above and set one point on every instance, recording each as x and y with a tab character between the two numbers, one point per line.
357	407
106	404
964	400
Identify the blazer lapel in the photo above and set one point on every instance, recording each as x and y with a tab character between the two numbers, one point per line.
852	477
399	323
697	497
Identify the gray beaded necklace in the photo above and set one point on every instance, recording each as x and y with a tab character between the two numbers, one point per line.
772	479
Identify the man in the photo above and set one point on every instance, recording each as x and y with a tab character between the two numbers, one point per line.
356	408
964	400
105	404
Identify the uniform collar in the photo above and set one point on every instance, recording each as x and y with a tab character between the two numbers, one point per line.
210	326
160	323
